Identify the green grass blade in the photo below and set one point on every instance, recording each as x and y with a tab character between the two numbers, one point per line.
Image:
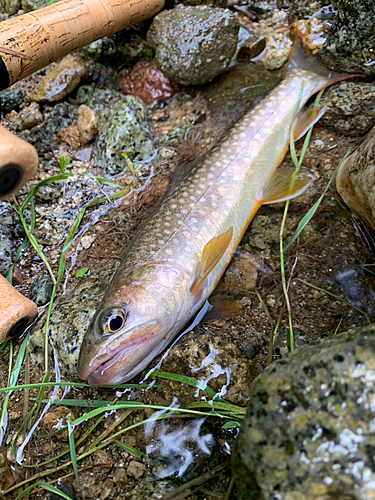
310	214
186	380
72	447
218	405
12	381
133	451
231	425
45	486
70	384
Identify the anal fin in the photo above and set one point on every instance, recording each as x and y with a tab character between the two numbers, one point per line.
285	185
211	255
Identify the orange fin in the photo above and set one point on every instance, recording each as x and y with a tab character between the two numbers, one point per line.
285	185
306	119
223	307
211	255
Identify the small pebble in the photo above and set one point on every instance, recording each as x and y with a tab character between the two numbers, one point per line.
55	420
88	124
120	476
136	469
318	143
29	117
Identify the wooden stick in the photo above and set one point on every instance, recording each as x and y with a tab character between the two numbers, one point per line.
47	34
18	163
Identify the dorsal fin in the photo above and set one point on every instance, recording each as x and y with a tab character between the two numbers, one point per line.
211	255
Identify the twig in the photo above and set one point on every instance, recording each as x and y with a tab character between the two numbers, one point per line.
184	490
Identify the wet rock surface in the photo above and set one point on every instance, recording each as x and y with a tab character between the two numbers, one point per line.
193	44
308	428
61	81
41	291
147	82
304	9
350	108
29	117
350	44
355	180
69	321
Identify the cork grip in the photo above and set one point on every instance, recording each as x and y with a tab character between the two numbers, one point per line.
34	40
18	163
16	311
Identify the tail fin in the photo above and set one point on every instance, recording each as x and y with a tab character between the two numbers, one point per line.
299	59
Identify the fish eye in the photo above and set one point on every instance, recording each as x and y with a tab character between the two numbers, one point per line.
111	320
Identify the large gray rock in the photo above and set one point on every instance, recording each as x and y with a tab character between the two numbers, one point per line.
193	44
308	433
355	180
350	44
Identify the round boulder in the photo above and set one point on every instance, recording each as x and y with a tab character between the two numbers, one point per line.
193	44
308	433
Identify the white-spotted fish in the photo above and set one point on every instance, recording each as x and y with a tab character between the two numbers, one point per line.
180	253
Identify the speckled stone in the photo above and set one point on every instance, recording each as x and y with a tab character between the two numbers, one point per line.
99	100
10	99
124	128
70	318
150	489
30	5
277	51
5	237
355	180
41	291
308	433
350	108
10	228
350	44
11	6
193	44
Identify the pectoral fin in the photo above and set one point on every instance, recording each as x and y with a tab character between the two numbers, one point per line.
211	255
306	119
223	307
285	185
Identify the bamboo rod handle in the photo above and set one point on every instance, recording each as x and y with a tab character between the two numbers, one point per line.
18	162
34	40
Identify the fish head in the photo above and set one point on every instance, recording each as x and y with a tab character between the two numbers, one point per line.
130	327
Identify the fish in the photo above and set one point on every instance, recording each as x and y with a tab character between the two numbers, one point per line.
181	251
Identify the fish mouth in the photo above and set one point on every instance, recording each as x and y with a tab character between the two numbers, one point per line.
100	376
125	356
